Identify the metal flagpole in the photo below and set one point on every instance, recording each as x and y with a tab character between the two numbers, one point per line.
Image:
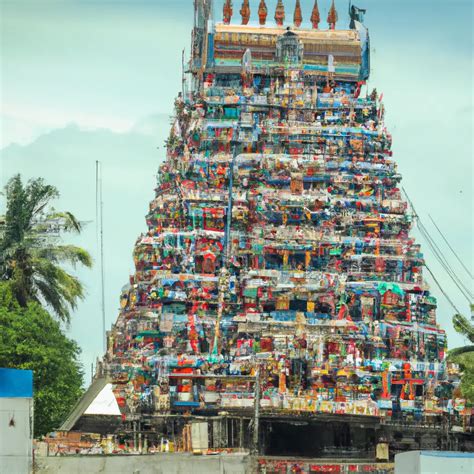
100	213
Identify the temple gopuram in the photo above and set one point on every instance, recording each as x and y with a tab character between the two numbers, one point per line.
278	304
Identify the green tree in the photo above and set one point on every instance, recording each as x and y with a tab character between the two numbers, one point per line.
466	362
31	253
466	328
464	356
31	339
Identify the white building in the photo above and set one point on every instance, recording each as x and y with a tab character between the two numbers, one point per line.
16	421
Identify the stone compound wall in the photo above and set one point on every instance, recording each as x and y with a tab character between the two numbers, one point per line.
144	464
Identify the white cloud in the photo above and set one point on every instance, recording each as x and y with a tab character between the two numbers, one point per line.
22	123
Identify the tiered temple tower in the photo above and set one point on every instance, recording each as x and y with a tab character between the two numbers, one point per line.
278	279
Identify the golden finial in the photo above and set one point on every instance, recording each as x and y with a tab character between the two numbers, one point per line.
227	11
245	12
332	16
280	13
297	16
262	12
315	17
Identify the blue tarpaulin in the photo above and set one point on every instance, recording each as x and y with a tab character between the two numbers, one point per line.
16	383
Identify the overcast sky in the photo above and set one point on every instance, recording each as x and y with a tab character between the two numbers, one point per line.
95	80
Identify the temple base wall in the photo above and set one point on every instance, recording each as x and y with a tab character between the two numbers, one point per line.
144	464
182	463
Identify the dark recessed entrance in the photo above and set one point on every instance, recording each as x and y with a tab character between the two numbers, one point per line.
317	439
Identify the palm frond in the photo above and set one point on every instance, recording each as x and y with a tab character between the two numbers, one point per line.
24	206
70	286
68	221
39	195
66	253
463	326
57	288
52	297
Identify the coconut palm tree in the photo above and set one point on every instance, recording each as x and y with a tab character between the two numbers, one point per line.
31	253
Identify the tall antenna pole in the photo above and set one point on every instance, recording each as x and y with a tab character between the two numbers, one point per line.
182	74
99	214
